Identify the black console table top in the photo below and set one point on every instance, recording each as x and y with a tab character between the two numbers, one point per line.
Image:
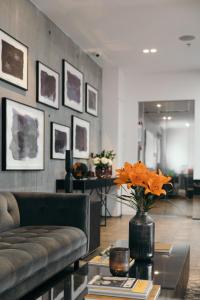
86	184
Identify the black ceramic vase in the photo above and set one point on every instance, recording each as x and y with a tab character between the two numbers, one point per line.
141	236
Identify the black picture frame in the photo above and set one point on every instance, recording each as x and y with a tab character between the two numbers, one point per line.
50	73
91	99
20	79
76	75
32	148
62	128
85	134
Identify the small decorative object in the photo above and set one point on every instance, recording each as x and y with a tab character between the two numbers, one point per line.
23	136
81	135
103	163
119	261
47	86
13	61
79	170
145	186
60	140
72	87
91	100
68	169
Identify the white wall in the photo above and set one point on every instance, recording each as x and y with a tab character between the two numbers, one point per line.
121	93
179	152
156	87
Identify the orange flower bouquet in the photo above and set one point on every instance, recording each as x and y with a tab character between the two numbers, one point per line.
145	185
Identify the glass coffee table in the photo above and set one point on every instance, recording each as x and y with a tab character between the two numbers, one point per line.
169	271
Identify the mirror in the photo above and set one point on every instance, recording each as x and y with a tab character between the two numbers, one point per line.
166	139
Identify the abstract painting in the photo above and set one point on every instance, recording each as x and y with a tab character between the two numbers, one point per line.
47	86
13	61
23	136
91	100
81	136
72	87
60	140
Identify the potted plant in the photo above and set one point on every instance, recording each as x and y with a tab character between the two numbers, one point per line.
103	163
145	187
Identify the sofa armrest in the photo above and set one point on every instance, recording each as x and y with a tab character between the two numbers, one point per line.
54	209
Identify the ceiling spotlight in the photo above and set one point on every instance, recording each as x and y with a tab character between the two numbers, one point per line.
187	38
153	50
169	118
164	118
156	272
145	51
158	105
187	124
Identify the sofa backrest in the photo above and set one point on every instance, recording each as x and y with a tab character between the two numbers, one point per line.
9	212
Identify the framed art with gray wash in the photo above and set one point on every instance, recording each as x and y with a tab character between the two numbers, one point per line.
47	85
80	138
72	87
13	61
91	100
60	140
23	136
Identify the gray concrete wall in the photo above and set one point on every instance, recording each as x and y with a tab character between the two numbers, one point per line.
50	45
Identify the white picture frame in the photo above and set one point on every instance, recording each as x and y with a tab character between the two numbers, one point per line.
60	140
72	87
91	96
80	138
13	61
23	136
47	88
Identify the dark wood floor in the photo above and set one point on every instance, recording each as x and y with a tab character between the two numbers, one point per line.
174	224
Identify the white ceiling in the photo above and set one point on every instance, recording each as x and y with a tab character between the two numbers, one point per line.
120	29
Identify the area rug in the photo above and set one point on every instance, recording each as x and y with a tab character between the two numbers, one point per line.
193	290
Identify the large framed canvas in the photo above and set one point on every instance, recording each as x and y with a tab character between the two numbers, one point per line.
80	138
23	136
47	85
13	61
72	87
60	140
91	100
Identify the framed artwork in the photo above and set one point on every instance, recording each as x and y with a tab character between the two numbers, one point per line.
72	87
91	100
23	136
60	140
47	85
13	61
80	138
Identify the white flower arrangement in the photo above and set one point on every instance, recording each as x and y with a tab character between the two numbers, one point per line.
104	159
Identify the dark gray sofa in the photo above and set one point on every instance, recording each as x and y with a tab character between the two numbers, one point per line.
40	234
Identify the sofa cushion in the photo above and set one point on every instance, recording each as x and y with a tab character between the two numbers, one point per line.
25	250
9	212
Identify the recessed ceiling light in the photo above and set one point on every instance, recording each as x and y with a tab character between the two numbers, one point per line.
164	118
158	105
187	37
156	272
187	124
145	51
169	118
153	50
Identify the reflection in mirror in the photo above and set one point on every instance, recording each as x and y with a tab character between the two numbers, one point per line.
166	139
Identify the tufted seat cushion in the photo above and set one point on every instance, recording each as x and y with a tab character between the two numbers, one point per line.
9	211
25	250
